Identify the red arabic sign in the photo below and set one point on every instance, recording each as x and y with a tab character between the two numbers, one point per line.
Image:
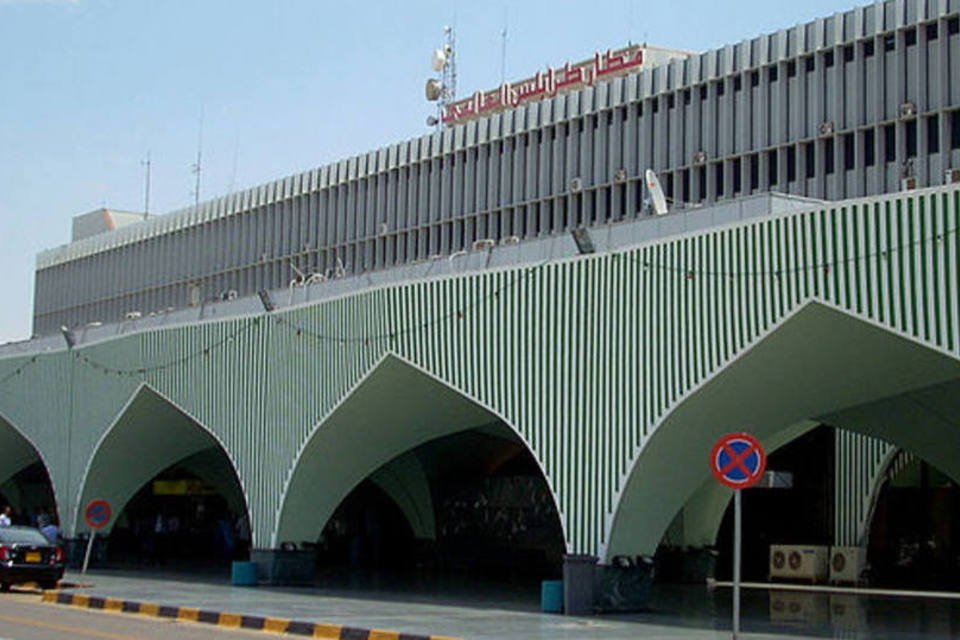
553	82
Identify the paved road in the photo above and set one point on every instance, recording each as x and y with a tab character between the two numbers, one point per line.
24	617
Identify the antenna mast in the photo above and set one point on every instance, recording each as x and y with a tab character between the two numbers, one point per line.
503	47
197	167
146	188
443	89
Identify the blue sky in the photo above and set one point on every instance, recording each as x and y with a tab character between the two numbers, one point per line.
87	87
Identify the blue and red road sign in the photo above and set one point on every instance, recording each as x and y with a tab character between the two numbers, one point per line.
738	460
98	514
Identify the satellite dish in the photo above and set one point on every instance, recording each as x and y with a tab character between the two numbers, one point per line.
656	193
433	90
439	60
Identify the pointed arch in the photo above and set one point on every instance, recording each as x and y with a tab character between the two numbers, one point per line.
817	363
17	452
150	435
394	409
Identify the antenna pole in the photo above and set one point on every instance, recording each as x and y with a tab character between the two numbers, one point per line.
198	166
503	47
146	188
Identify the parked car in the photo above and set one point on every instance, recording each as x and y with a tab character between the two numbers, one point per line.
27	556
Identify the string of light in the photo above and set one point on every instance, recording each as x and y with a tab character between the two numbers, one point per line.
341	339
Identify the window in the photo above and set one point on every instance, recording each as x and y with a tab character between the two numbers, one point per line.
737	84
889	42
955	129
670	101
774	73
791	164
754	78
809	64
828	59
889	143
686	96
809	159
703	92
754	172
737	175
772	167
912	139
849	152
721	88
869	149
933	134
792	69
848	53
911	37
718	176
953	26
868	49
828	156
932	33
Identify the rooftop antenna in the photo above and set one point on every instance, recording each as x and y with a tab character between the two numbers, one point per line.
443	89
146	187
503	46
197	167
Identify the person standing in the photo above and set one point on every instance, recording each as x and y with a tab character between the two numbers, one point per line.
6	518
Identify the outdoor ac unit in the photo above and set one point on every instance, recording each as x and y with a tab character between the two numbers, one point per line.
825	129
908	110
799	562
576	185
620	175
699	158
509	240
789	606
483	244
847	563
908	184
133	315
951	176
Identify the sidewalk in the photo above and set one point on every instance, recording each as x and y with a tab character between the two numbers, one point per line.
357	615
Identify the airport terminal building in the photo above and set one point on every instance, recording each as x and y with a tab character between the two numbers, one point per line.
498	299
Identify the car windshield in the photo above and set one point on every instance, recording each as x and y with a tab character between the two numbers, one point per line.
22	535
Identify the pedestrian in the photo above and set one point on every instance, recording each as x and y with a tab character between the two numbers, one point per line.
51	531
6	518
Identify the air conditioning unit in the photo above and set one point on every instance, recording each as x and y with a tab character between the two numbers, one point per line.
230	294
700	158
576	185
799	562
951	176
908	184
133	315
483	244
907	110
806	608
620	175
509	240
847	563
825	128
382	229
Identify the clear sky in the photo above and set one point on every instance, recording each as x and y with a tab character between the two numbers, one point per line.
87	87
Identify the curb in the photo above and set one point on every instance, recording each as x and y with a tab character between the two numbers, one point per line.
232	620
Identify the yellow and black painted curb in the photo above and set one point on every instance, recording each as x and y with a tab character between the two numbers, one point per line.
232	620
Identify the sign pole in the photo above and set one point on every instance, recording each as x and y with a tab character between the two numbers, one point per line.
736	563
737	461
86	556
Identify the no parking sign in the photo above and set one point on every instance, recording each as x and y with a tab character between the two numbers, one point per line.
738	460
97	514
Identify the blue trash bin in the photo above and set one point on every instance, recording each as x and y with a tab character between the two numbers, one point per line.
244	574
551	596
